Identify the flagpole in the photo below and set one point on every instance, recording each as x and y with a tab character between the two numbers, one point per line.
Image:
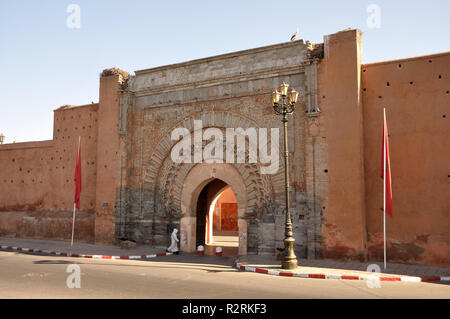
73	223
384	185
74	204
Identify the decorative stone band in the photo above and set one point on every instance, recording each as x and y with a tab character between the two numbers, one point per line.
336	276
31	250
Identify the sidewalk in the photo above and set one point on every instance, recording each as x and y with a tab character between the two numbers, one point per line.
78	250
331	269
324	269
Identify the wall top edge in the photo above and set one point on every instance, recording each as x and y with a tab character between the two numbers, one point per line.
24	145
74	107
419	57
223	56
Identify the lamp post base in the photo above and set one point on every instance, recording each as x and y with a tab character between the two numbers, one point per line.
289	260
289	264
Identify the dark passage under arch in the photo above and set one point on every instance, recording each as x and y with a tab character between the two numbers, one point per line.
217	214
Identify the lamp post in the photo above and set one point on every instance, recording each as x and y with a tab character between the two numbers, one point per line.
284	103
2	138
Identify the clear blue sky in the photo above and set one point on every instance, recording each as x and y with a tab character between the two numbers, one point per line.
45	64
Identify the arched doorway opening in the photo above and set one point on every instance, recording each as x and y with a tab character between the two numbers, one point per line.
195	181
217	219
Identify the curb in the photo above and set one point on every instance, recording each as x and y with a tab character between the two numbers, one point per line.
31	250
341	277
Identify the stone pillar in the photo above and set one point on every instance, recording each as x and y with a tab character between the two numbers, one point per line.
187	234
108	158
242	225
339	77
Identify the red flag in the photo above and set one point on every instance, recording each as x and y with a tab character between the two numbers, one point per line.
385	148
77	177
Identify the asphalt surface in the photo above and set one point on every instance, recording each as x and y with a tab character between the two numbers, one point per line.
25	275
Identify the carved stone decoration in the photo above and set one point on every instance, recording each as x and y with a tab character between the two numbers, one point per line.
223	95
167	177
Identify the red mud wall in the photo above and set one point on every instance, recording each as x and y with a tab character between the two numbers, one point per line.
343	220
36	178
415	93
225	211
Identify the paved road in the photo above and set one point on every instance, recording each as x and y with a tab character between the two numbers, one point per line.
33	276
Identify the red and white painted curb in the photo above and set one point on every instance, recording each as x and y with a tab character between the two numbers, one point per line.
342	277
31	250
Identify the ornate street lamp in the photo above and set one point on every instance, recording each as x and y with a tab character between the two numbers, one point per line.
284	104
2	138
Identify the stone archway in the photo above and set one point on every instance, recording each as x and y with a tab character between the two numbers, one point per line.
199	176
164	181
160	170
